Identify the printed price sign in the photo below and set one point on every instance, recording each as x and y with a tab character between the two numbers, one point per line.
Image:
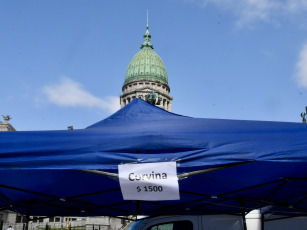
149	181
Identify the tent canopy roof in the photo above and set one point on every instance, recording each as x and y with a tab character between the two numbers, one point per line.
240	165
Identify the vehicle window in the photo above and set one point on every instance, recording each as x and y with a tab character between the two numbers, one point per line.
176	225
135	225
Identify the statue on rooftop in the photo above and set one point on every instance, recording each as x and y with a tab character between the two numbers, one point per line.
303	115
6	118
151	97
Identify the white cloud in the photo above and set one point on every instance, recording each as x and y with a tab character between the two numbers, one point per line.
249	11
301	68
295	6
71	94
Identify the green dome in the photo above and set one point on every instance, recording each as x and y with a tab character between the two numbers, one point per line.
146	64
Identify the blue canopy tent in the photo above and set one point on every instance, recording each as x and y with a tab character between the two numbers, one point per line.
223	166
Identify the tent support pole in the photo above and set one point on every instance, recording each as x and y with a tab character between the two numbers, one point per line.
138	208
244	221
262	221
243	216
28	215
27	191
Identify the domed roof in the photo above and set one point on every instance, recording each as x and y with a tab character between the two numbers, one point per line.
146	64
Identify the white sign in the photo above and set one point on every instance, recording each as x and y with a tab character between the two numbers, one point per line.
149	181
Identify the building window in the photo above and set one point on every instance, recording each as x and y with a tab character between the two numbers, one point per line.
57	219
18	219
51	219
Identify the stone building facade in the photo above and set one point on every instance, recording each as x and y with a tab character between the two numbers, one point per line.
146	74
18	222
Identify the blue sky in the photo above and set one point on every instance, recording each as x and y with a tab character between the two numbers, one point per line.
64	62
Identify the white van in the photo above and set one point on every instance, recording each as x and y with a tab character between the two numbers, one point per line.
218	222
202	222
